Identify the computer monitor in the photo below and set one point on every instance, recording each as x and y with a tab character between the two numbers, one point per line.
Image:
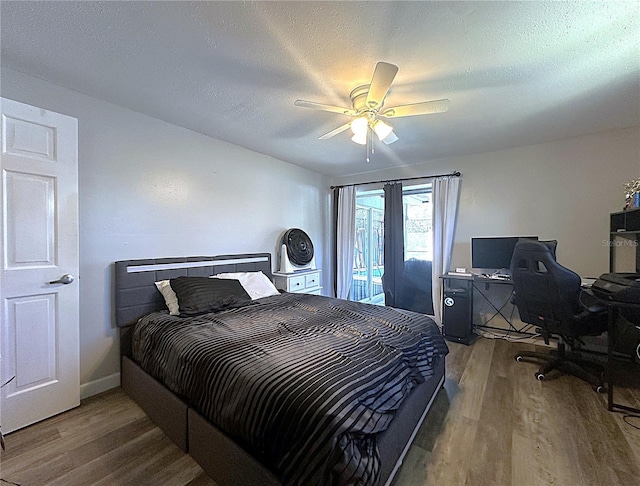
494	253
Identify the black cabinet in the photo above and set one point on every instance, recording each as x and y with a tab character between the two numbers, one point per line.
457	309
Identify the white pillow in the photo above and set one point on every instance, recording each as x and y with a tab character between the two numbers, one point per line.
256	284
170	297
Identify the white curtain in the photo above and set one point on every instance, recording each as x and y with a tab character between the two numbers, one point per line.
445	207
345	239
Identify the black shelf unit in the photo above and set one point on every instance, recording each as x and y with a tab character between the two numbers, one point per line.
624	224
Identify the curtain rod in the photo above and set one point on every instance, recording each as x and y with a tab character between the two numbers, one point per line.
455	174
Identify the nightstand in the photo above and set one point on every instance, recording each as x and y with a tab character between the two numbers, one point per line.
301	282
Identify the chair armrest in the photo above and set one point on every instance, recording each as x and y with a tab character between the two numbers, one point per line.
590	303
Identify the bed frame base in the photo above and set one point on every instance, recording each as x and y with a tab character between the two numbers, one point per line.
400	459
160	404
228	463
222	458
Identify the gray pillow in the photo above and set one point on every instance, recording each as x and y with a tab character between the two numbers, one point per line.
199	295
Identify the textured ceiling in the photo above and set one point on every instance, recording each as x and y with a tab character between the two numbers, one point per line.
516	73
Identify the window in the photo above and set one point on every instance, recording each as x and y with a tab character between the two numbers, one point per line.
368	259
417	208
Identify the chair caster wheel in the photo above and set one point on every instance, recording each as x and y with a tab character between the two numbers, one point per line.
539	376
519	358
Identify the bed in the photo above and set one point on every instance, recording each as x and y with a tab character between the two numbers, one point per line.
344	424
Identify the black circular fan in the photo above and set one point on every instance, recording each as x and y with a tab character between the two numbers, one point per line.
299	246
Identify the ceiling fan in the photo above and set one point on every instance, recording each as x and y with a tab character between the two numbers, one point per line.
368	108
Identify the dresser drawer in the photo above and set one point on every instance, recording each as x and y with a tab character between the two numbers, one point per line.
312	280
296	283
307	282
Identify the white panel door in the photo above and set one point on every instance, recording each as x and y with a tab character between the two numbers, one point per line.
39	341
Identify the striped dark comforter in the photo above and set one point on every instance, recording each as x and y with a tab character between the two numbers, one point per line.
304	382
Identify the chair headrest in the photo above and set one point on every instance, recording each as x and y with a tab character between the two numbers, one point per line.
537	246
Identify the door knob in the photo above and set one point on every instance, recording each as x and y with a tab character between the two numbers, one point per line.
67	278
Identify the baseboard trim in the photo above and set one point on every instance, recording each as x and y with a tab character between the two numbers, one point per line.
100	385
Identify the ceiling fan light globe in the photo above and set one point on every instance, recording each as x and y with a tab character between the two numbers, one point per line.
392	137
360	138
359	126
382	129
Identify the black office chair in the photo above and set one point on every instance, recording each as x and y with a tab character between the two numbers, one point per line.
550	297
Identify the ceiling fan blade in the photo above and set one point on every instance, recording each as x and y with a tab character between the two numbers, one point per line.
424	108
335	132
323	107
383	76
392	137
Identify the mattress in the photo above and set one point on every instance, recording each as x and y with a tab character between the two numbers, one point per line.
304	382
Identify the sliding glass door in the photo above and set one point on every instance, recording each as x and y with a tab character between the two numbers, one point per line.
368	261
368	258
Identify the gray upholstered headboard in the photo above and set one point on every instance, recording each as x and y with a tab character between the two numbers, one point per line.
136	293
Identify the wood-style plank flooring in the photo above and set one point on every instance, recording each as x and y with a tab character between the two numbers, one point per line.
492	424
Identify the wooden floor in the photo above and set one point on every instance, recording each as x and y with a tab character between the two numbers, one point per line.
492	424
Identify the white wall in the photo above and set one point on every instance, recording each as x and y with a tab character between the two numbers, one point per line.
562	190
151	189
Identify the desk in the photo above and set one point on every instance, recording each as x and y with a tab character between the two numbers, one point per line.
478	290
614	309
482	288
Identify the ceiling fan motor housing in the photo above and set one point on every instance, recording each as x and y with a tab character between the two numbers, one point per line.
359	98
